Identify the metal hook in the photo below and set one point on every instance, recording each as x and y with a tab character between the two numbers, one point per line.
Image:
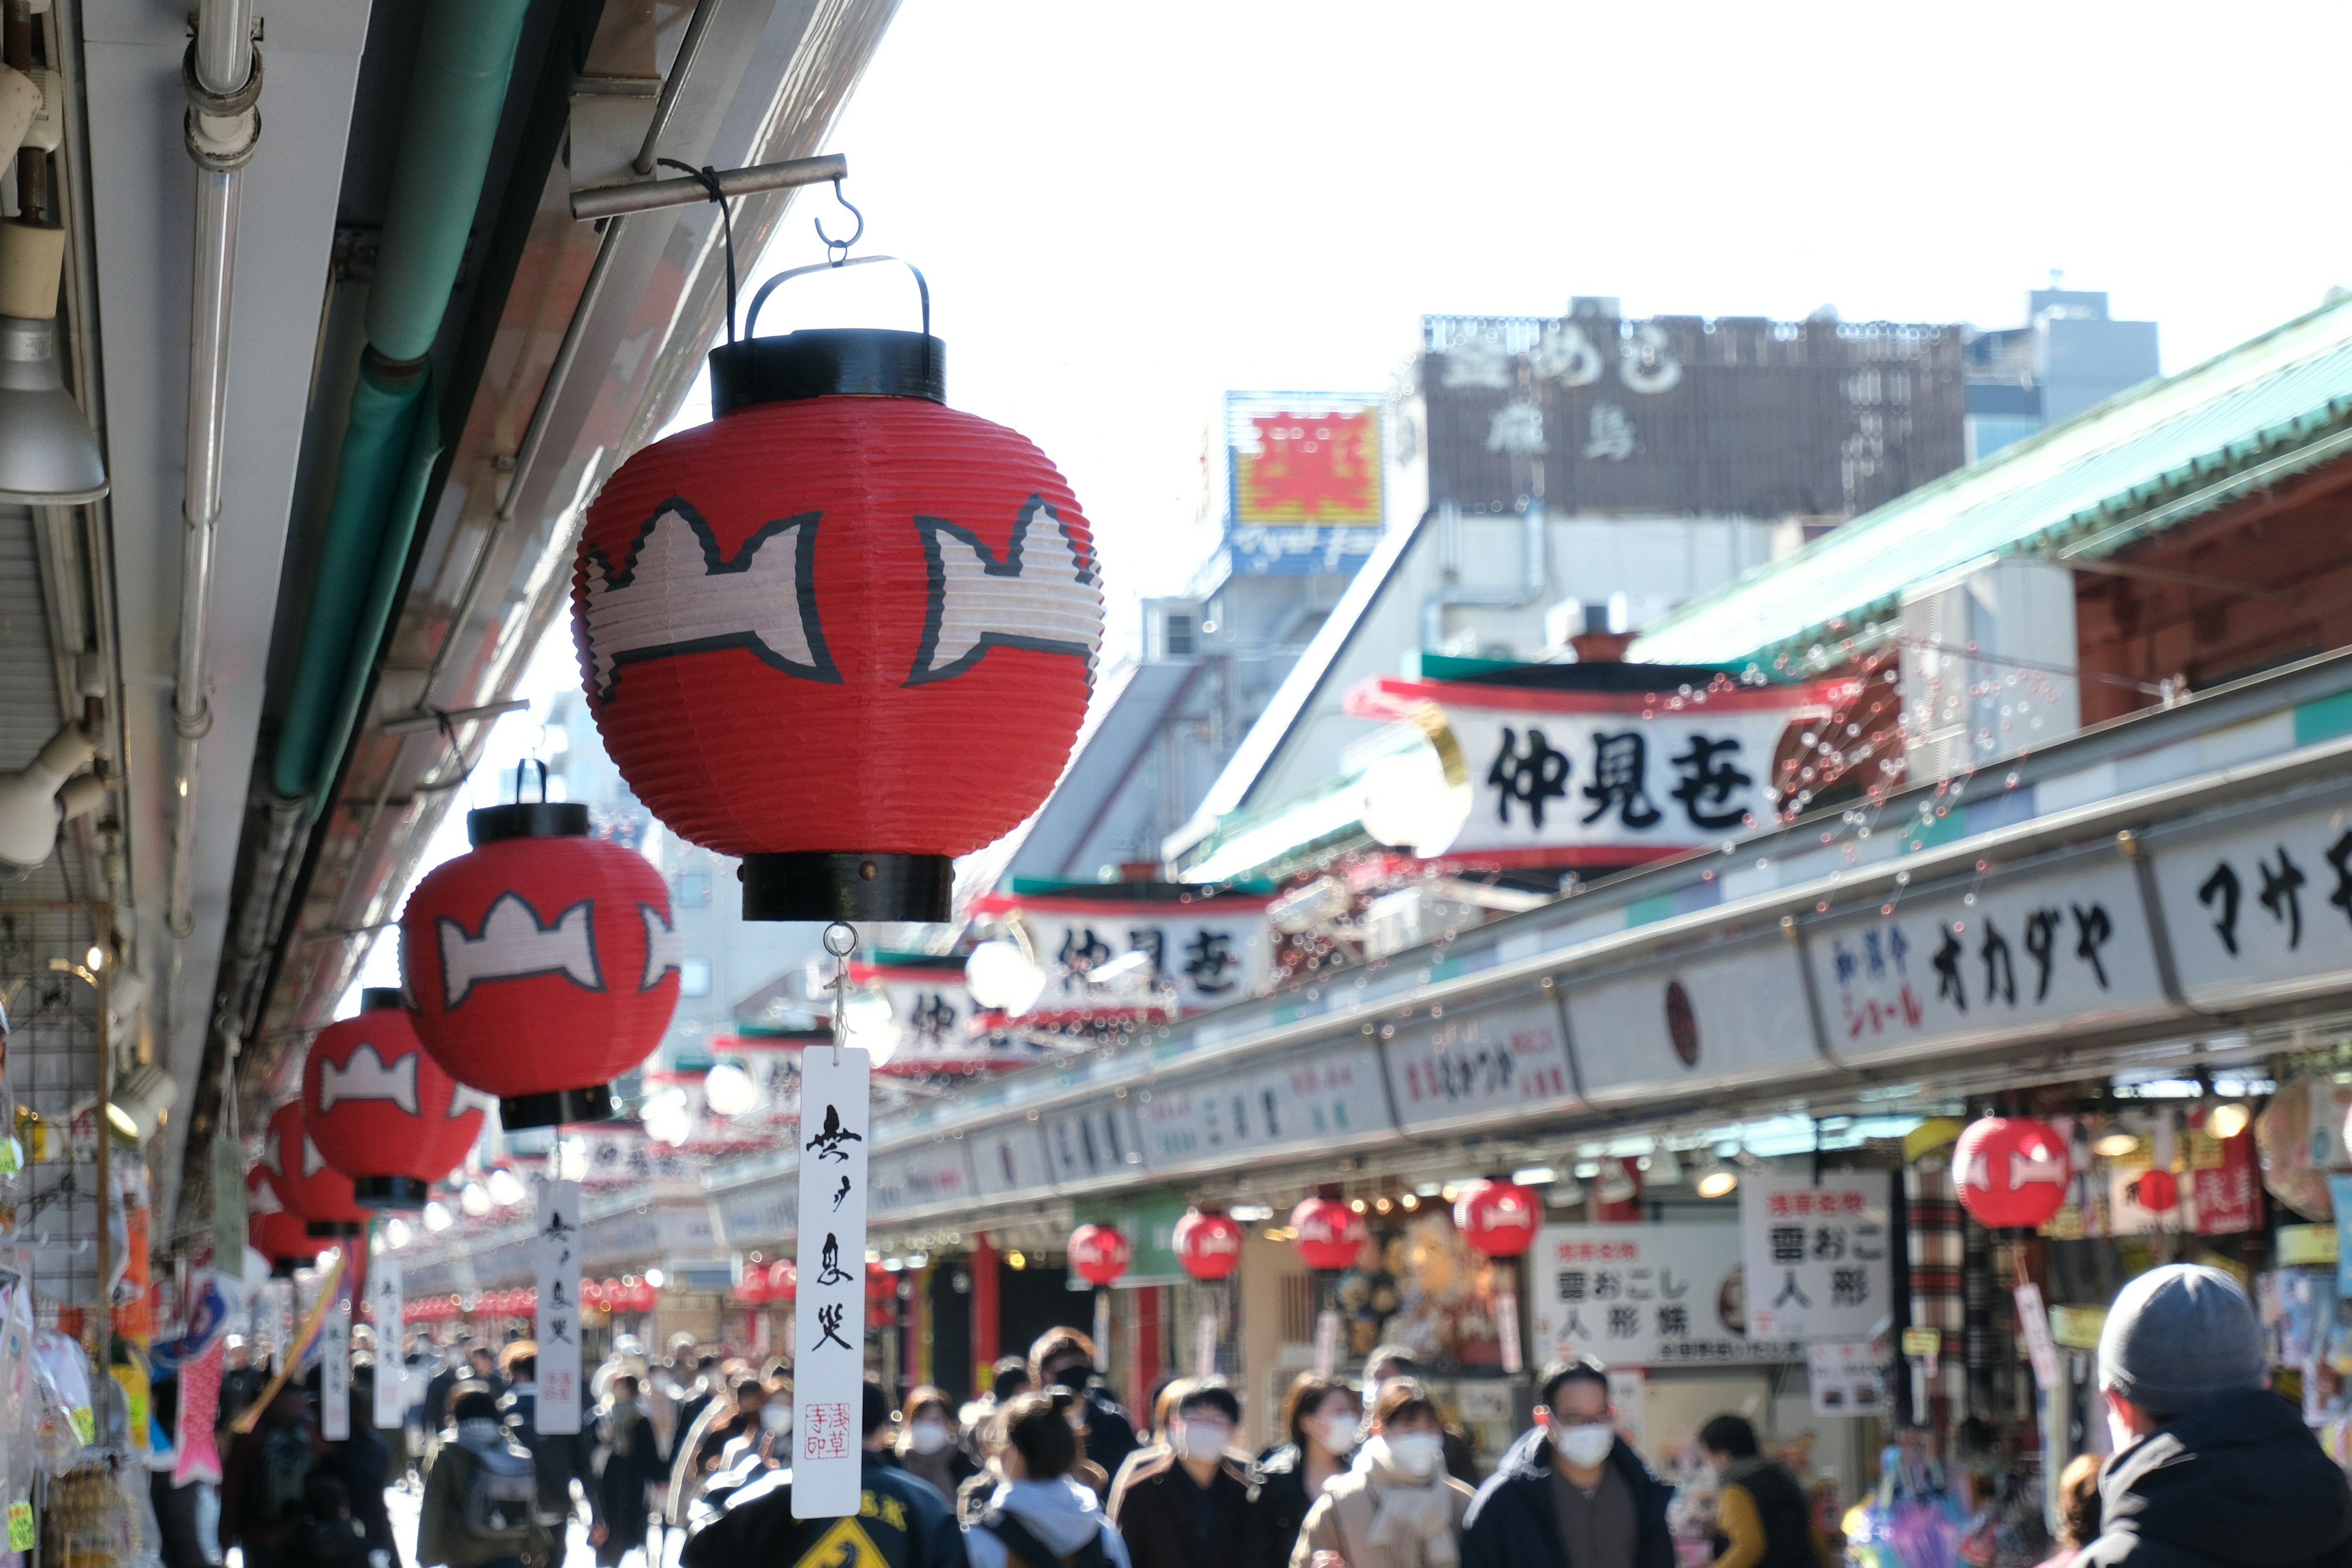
836	251
531	762
841	948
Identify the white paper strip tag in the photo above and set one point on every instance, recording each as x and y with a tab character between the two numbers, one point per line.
1506	1329
1327	1342
1205	1346
386	1301
281	1323
335	1355
829	1314
556	1250
2033	1321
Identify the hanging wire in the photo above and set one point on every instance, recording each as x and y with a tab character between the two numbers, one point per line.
841	941
709	176
836	251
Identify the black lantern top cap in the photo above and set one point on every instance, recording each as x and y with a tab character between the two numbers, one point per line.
520	818
827	362
376	998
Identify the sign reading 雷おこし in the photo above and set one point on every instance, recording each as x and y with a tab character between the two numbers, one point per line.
1816	1255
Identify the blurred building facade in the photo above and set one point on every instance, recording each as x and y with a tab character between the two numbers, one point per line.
2070	355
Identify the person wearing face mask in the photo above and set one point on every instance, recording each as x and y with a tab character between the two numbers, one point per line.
1762	1518
1397	1508
1570	1493
628	1465
1064	1358
1189	1507
763	1445
1320	1416
1039	1516
1394	1361
2210	1466
927	1444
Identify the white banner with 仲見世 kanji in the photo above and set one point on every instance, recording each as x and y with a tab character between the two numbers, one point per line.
829	1314
1815	1255
556	1251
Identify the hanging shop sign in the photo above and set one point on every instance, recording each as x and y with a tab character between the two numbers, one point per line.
2065	950
843	638
756	1213
555	1255
381	1111
387	1306
334	1353
1326	1099
2259	909
1848	1377
1126	955
1817	1256
926	1176
1009	1157
1602	778
620	1154
542	964
1463	1068
1730	1014
1303	480
1090	1144
1645	1296
915	1016
829	1328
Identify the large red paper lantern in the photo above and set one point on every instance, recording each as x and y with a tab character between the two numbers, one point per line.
273	1230
541	965
381	1111
843	631
1099	1253
303	1180
1330	1233
1497	1218
2011	1172
1208	1245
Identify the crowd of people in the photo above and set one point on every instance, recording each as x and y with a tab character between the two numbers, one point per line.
688	1461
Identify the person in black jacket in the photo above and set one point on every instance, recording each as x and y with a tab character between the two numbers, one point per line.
899	1518
1762	1517
1571	1492
1319	1418
559	1458
1064	1358
2210	1467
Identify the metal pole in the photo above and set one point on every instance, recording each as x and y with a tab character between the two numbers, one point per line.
644	195
101	1384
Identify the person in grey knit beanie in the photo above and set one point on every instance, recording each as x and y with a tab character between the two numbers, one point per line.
2176	1337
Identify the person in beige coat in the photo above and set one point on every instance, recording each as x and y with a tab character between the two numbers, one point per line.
1397	1508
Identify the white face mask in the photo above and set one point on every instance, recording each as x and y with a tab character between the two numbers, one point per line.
927	1436
776	1417
1197	1442
1585	1447
1415	1453
1337	1432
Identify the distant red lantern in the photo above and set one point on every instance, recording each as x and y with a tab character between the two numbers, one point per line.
303	1180
283	1239
1208	1245
380	1110
841	631
783	1280
637	1295
1098	1253
541	965
1497	1218
2011	1172
881	1284
2157	1190
752	1289
1330	1233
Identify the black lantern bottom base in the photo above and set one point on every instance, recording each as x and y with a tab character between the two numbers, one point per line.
593	1103
334	1227
283	1268
390	1192
823	887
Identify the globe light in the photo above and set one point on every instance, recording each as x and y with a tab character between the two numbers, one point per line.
871	1026
475	1199
1002	976
506	1188
438	1217
669	1116
657	1279
397	1233
1414	800
2229	1118
729	1090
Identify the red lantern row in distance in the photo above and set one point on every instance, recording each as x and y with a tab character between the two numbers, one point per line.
1497	1217
542	964
1330	1233
2011	1172
380	1110
303	1180
1099	1253
841	631
1208	1245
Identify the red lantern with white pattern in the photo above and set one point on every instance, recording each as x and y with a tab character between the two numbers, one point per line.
541	965
1330	1233
381	1111
2011	1172
273	1230
303	1180
1099	1253
843	631
1497	1217
783	1280
1208	1245
752	1289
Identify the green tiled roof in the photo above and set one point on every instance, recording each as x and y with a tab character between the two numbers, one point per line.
2164	452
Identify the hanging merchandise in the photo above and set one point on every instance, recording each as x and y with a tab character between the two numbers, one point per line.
2011	1172
381	1111
841	631
1098	1253
1208	1245
2300	1137
303	1180
1497	1217
1330	1233
542	965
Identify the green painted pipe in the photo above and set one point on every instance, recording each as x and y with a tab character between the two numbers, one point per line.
464	58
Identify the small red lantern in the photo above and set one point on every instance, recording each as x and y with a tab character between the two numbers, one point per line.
1098	1253
640	1295
783	1280
752	1289
2157	1190
303	1180
1208	1245
2011	1172
1330	1233
542	964
841	631
881	1284
281	1237
381	1111
1497	1217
